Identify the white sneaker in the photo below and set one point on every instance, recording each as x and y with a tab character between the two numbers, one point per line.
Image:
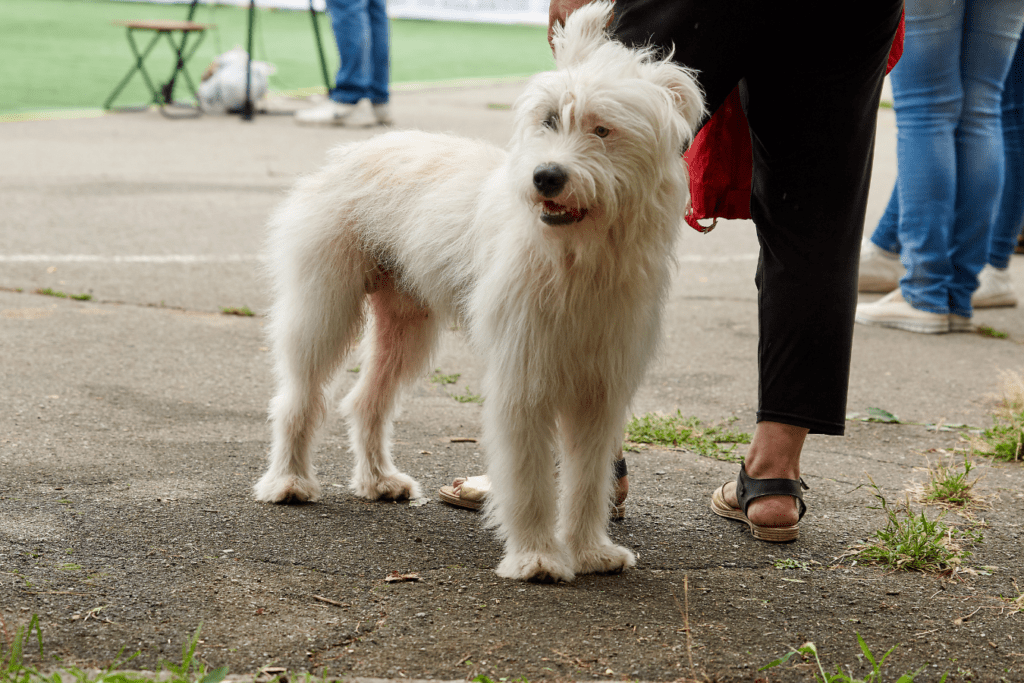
880	270
329	113
994	288
893	310
958	323
382	112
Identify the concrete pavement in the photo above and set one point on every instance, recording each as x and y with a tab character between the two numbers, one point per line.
133	426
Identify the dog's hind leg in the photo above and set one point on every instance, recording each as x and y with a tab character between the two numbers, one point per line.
313	323
395	351
592	434
519	435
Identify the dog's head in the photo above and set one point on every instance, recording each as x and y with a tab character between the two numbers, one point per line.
600	138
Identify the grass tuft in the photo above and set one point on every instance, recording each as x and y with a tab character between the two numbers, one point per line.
949	486
712	441
439	378
1017	603
810	651
912	542
986	331
468	397
47	291
1005	439
243	311
792	563
13	668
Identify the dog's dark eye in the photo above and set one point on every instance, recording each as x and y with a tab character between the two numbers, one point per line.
601	132
551	121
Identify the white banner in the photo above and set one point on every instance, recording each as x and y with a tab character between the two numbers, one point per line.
487	11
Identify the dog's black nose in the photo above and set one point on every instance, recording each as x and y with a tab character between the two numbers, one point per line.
549	179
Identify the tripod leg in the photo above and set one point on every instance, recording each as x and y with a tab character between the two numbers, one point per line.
247	108
319	47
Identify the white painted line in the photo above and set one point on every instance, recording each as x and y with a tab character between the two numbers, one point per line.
156	259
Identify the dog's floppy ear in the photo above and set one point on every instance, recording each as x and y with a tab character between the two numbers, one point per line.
682	84
583	32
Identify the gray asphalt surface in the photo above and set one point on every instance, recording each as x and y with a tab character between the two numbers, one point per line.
133	426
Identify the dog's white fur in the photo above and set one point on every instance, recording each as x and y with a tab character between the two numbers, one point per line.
562	299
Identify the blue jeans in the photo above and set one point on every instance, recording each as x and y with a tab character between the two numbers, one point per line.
361	31
1010	214
1011	206
947	92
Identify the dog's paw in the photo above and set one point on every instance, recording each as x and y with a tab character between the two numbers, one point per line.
287	489
536	567
604	559
395	486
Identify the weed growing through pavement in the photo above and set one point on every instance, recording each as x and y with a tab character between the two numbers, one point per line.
712	441
950	486
791	563
13	668
808	651
468	397
986	331
1017	603
63	295
1005	440
913	542
244	311
439	378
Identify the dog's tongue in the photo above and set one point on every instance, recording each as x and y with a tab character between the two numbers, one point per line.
577	214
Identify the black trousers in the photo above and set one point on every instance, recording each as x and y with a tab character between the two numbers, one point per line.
810	87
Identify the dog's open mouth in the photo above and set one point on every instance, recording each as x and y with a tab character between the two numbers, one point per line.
555	214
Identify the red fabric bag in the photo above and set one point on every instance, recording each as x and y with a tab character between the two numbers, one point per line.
720	159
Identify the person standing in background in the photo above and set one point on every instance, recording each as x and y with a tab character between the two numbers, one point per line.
947	93
361	32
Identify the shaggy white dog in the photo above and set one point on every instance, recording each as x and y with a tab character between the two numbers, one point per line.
554	255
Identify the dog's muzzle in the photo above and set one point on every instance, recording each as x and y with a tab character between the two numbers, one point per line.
550	180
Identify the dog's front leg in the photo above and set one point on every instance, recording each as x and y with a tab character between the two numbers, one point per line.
521	503
592	434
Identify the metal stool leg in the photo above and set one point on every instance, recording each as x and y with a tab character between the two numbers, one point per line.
182	57
140	58
319	46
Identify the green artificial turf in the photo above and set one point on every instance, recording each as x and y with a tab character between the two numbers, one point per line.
58	54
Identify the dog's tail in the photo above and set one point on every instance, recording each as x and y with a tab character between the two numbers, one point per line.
583	32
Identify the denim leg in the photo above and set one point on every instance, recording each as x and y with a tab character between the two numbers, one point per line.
380	40
990	36
927	98
1011	207
886	234
351	23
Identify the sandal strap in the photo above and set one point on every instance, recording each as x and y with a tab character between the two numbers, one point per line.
748	489
620	468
